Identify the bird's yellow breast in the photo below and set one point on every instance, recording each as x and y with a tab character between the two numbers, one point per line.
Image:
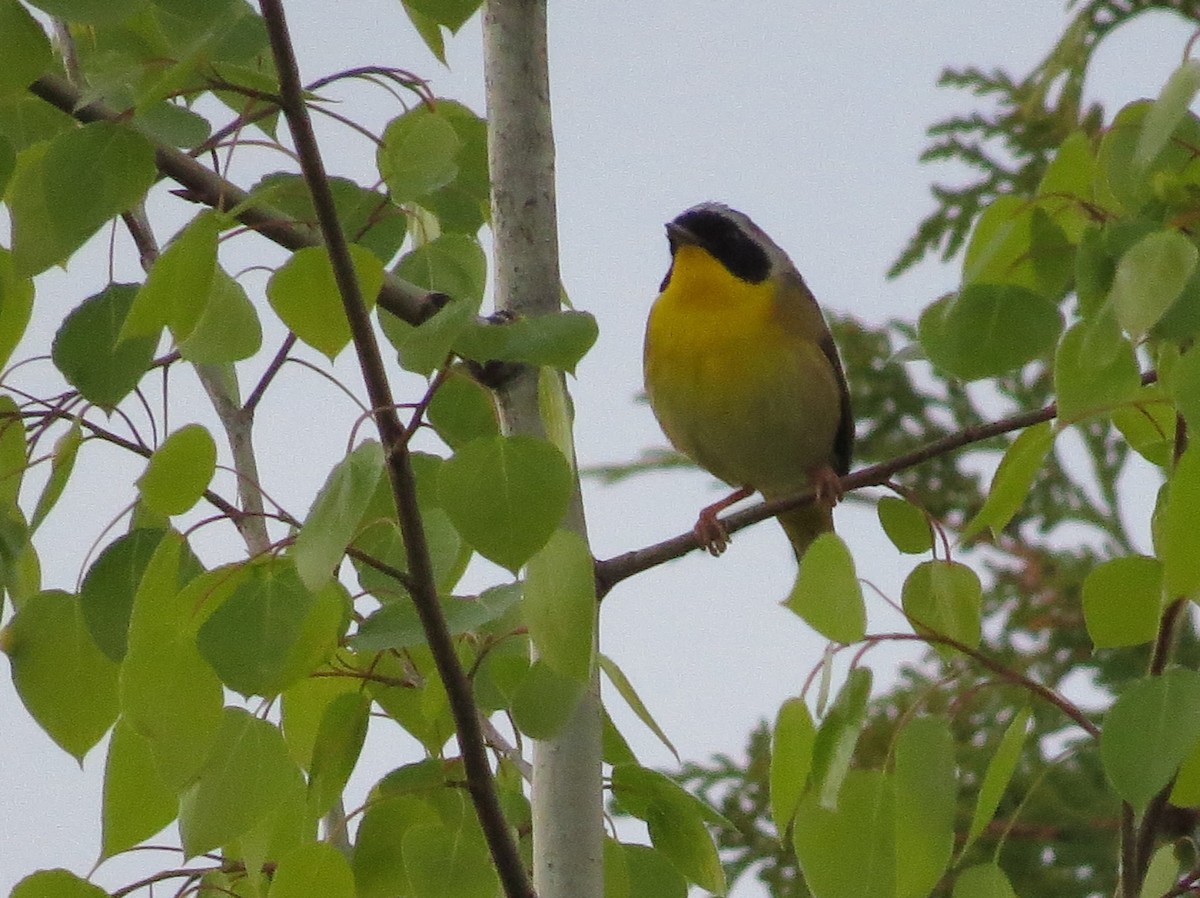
735	381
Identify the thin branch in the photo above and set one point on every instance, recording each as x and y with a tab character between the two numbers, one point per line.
405	300
611	571
459	693
1006	673
260	388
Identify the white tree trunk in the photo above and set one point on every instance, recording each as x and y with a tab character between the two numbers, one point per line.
568	830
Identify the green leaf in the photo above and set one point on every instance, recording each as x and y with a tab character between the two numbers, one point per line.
12	451
545	701
1148	424
91	12
169	695
56	884
378	861
1095	370
24	48
924	785
1149	731
336	514
651	875
837	736
61	465
90	354
429	31
1150	276
179	471
676	820
20	569
1013	479
172	124
988	330
272	630
304	706
380	537
336	749
16	305
983	881
248	772
1000	770
1185	388
462	409
52	215
1122	601
440	863
616	870
316	869
178	284
850	851
398	626
1094	270
463	206
945	598
559	340
560	605
111	583
137	803
8	159
827	594
1180	551
506	495
453	264
424	348
792	744
67	684
905	525
305	296
229	329
1015	243
1185	793
1166	113
614	748
1067	187
418	154
452	14
1162	874
625	689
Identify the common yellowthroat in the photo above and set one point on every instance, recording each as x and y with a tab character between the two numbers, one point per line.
743	374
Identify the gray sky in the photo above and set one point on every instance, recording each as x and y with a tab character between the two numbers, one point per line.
808	117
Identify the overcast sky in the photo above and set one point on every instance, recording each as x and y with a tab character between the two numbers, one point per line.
809	118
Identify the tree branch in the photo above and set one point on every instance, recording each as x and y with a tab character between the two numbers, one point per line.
459	694
405	300
1016	677
611	571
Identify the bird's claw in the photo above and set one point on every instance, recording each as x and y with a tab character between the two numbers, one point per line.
826	486
711	533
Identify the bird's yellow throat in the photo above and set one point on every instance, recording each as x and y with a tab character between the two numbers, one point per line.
703	303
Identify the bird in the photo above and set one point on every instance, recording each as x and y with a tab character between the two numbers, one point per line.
743	375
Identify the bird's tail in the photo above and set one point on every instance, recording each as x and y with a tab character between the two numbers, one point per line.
803	525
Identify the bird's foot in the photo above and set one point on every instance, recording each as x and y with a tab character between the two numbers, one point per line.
711	533
709	530
826	485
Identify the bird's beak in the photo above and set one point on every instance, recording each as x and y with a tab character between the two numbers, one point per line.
678	235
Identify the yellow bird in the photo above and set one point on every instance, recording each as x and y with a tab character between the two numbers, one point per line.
743	374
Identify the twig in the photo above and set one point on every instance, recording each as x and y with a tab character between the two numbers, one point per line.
1013	676
260	388
405	300
481	785
611	571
